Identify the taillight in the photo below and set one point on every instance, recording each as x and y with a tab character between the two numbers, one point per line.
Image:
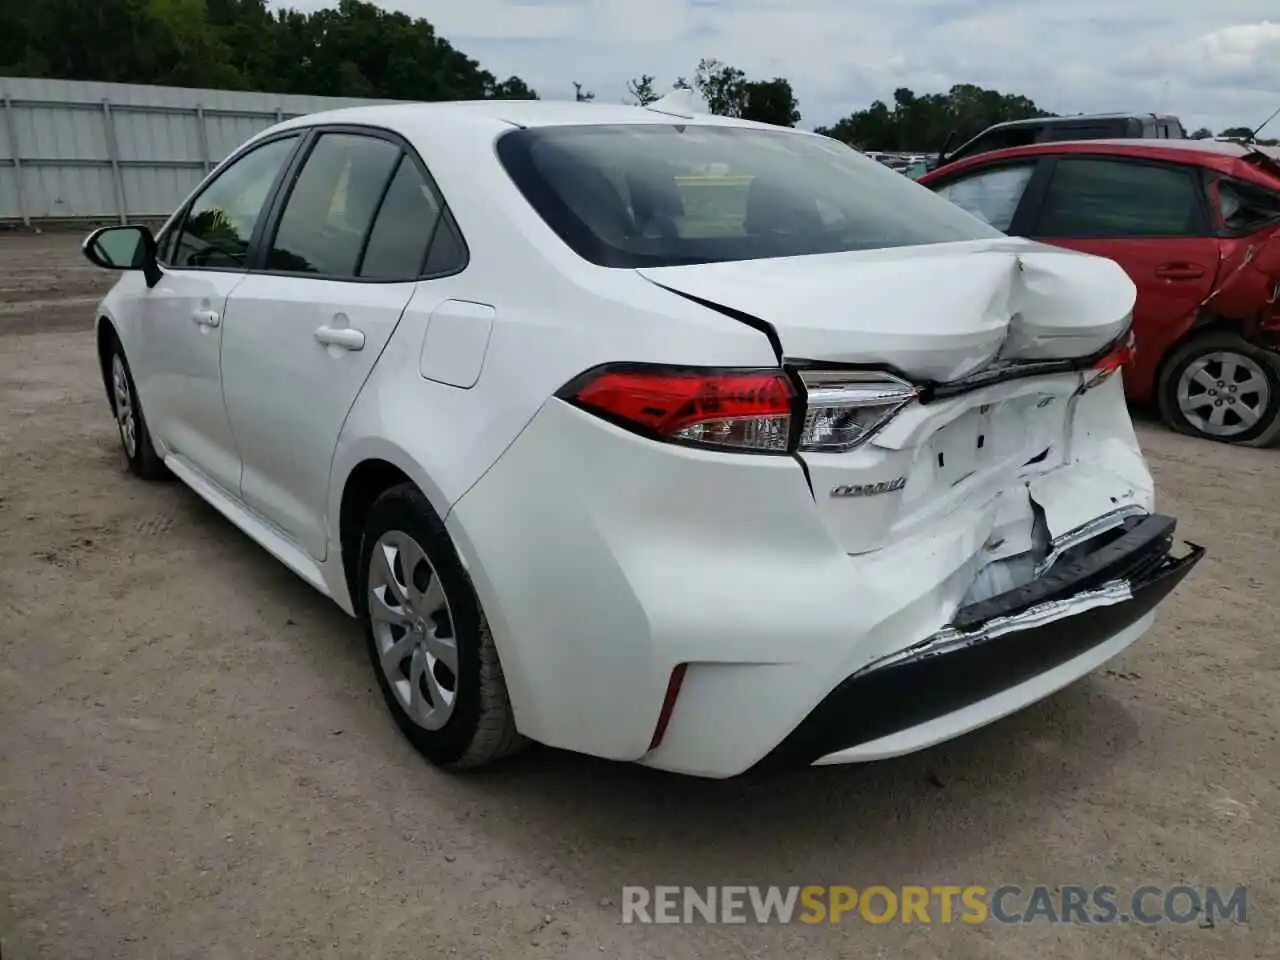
729	409
846	408
1120	355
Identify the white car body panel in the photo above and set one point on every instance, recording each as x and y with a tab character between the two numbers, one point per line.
288	393
178	366
604	559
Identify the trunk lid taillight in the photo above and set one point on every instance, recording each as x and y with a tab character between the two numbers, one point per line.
846	408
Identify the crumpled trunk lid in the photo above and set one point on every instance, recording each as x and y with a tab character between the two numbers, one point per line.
934	315
937	312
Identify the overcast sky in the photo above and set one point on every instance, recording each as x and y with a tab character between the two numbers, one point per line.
1213	62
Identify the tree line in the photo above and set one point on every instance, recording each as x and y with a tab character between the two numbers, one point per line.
357	49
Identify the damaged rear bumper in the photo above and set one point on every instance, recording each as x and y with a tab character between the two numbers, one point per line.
998	655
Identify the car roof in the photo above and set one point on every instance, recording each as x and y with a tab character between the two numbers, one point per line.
1078	118
1226	156
404	116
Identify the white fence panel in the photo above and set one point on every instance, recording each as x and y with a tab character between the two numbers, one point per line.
72	150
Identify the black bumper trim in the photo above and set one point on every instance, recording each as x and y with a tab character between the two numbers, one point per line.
882	701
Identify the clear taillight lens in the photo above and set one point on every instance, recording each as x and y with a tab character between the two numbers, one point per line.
847	408
742	410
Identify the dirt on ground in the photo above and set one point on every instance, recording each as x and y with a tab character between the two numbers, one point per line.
195	763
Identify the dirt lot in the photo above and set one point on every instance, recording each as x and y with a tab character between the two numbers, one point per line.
194	761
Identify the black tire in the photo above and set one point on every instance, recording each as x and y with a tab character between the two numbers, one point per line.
143	459
481	727
1265	432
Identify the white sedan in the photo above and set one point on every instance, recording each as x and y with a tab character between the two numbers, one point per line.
652	435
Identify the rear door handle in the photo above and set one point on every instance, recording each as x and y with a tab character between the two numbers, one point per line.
343	337
206	318
1179	271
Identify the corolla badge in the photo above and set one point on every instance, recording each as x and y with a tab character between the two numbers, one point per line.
869	489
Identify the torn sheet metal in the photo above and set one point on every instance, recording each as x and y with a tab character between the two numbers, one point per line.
951	639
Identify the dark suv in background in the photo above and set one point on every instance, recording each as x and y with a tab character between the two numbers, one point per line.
1099	126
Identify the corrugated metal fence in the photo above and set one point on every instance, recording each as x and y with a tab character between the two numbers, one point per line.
71	150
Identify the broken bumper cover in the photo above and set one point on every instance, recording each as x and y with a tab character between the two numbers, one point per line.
999	655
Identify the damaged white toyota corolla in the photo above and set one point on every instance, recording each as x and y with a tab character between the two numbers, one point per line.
660	437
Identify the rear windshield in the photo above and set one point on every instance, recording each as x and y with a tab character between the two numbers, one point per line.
647	195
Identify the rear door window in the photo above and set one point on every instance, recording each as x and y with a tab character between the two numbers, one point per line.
1103	197
332	204
992	195
1244	208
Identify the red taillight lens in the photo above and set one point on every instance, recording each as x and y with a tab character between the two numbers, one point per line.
1117	358
1121	355
747	410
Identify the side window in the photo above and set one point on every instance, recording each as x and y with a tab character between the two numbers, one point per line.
407	220
1000	140
991	195
1245	208
1080	131
1090	197
219	225
332	204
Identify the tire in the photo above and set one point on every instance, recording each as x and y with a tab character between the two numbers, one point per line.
471	724
1190	381
131	423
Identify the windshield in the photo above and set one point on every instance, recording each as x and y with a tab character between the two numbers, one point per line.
646	195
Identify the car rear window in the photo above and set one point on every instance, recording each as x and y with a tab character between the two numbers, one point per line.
644	195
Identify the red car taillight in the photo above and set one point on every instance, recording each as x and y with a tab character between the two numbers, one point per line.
1120	355
742	410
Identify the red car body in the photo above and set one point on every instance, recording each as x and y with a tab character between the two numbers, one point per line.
1219	276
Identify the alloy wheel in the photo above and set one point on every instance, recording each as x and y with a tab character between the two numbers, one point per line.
413	628
1223	394
126	416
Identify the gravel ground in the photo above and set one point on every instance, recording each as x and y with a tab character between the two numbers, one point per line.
195	762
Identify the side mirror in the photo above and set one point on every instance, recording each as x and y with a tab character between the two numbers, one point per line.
123	248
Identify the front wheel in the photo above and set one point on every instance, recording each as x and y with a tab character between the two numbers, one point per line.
130	422
1221	387
430	646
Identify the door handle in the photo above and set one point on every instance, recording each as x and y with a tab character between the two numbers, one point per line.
343	337
206	318
1179	271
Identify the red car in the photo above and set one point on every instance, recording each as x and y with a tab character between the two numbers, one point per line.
1196	224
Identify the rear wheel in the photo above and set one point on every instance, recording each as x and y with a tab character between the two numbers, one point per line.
1221	387
130	422
430	646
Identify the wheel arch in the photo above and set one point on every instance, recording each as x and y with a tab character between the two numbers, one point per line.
107	337
367	471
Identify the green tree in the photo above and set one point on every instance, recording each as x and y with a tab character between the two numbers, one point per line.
581	94
729	93
1237	133
641	90
723	87
925	122
353	49
1204	133
771	101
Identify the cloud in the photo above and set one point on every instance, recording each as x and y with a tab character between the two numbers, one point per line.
1214	64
